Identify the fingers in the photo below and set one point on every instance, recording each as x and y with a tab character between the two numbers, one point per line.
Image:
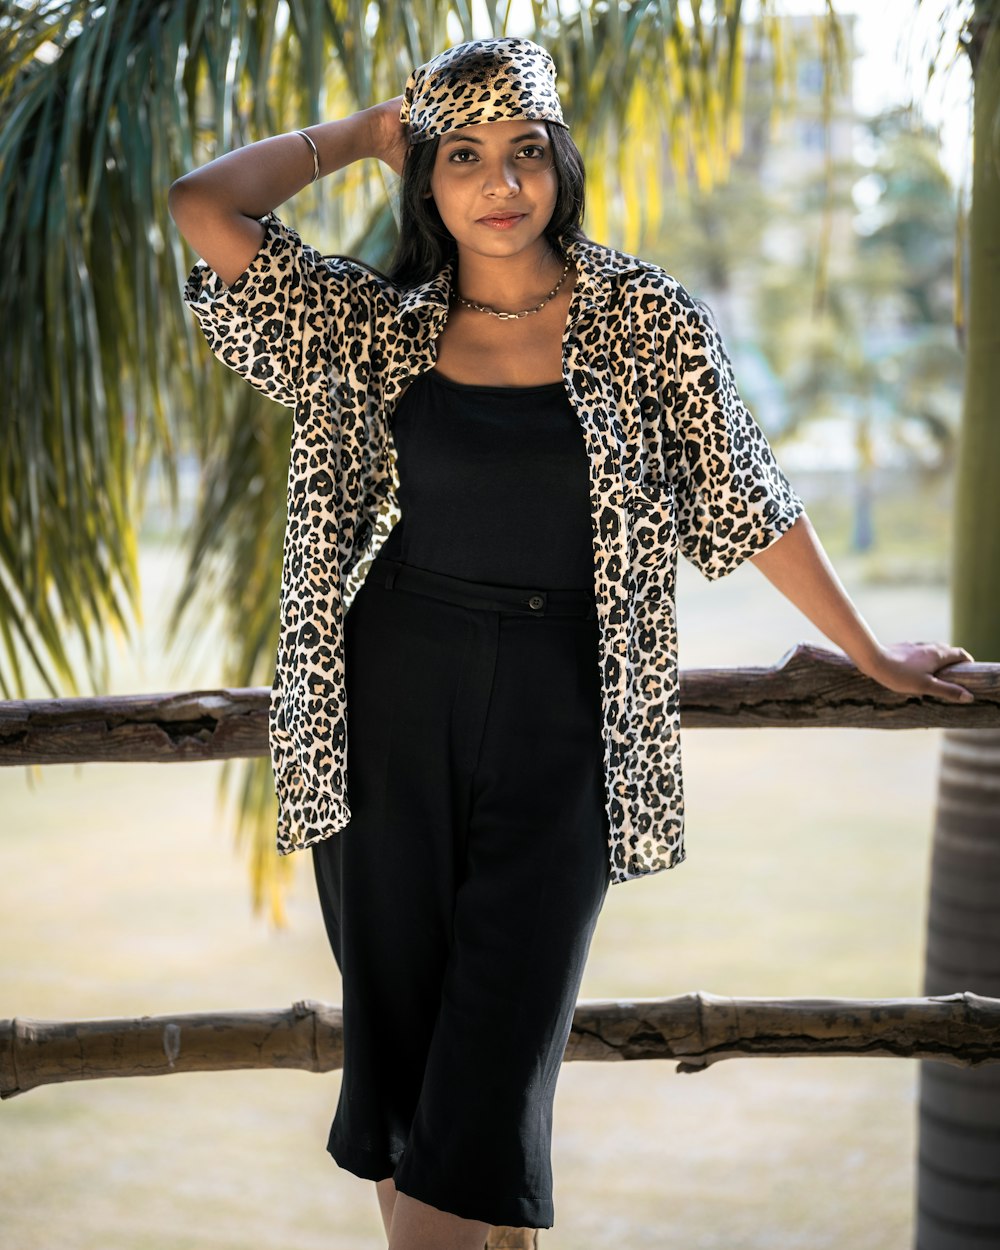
916	671
954	694
954	655
946	689
948	655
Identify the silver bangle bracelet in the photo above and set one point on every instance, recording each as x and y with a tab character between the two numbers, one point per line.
314	152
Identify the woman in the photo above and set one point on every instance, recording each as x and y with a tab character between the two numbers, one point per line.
541	423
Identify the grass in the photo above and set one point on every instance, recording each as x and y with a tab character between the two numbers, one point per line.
806	875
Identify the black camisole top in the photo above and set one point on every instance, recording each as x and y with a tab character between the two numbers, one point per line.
494	484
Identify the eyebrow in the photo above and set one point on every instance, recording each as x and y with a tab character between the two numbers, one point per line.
460	138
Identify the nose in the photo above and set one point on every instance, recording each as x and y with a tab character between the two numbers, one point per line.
500	175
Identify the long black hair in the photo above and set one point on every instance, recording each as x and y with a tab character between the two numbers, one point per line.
425	244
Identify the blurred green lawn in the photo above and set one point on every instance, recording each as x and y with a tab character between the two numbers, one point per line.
807	870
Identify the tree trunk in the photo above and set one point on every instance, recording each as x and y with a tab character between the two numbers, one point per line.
958	1167
958	1181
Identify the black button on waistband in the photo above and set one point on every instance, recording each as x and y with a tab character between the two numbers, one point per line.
536	601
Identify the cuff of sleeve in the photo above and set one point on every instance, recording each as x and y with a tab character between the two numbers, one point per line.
729	556
204	290
306	816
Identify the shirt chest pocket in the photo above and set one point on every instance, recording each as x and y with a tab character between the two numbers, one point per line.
652	543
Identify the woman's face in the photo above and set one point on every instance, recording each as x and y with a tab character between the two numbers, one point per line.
496	167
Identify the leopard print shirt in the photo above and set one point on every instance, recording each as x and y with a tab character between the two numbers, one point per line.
677	464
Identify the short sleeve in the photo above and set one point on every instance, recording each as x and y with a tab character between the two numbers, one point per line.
267	326
731	497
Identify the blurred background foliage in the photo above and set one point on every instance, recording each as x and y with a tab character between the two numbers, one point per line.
110	392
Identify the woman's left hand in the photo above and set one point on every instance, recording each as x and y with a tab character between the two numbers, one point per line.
908	668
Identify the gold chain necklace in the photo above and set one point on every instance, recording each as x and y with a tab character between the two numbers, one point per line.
509	315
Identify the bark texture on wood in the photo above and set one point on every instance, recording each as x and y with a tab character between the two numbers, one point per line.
309	1036
701	1029
812	686
809	686
167	728
698	1029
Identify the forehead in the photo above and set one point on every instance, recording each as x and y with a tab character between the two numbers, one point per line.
502	132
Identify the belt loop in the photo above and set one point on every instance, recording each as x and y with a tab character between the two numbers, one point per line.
390	577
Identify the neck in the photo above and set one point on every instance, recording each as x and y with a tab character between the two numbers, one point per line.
508	283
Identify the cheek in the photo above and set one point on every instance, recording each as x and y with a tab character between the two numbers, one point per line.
549	192
546	181
451	194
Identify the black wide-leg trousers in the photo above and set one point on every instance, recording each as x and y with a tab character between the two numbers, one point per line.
461	899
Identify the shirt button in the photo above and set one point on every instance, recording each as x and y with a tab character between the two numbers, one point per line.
536	601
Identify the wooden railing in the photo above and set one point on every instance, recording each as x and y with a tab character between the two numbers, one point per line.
809	686
696	1029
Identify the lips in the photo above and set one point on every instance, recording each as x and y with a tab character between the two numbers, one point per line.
501	217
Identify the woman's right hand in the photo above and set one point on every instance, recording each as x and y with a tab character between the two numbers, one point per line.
388	133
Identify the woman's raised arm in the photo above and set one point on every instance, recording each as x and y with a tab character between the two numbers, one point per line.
216	206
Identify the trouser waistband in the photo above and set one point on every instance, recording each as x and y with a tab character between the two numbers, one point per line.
533	601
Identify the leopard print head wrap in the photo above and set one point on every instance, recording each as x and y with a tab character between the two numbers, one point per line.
484	80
